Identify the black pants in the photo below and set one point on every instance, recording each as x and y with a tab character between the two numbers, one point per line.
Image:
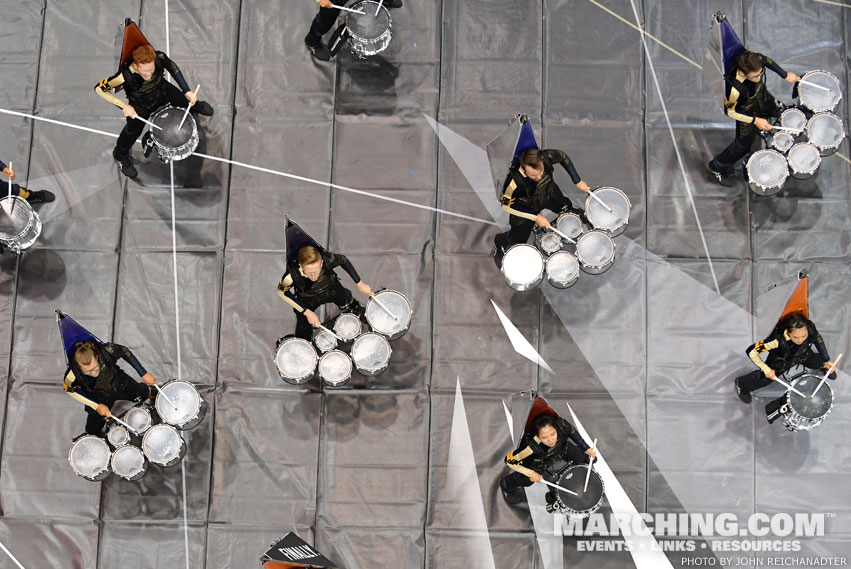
515	480
521	227
132	391
337	293
756	379
741	146
131	131
322	23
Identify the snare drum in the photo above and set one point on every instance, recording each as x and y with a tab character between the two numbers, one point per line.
819	100
767	172
186	408
793	118
595	252
173	144
118	436
804	160
296	361
371	353
826	132
585	502
163	445
782	141
348	327
612	222
139	419
382	322
335	368
129	463
20	225
324	340
368	33
562	269
523	267
548	242
570	224
89	457
805	413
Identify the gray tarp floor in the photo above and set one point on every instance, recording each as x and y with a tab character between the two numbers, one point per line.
645	353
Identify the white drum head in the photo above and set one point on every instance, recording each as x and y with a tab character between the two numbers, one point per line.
819	100
296	358
569	224
139	419
767	168
550	243
184	397
335	367
595	249
128	461
162	444
522	264
782	141
325	341
602	218
562	267
89	456
347	326
371	351
825	130
118	436
804	158
383	322
793	118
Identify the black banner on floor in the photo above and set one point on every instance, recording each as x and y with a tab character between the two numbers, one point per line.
292	552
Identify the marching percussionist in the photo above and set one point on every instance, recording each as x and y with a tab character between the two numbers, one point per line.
748	101
95	380
143	77
530	188
790	344
310	282
550	439
324	21
32	196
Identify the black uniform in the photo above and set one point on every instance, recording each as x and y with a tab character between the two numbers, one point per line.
324	21
112	384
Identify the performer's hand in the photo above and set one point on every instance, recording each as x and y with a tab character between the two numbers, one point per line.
830	367
770	374
791	77
762	124
536	477
542	221
312	318
364	288
149	379
190	96
103	411
583	185
9	172
129	111
325	3
592	452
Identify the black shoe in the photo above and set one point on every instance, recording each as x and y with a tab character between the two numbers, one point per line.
512	497
127	167
832	374
320	52
357	308
719	177
202	108
745	396
147	143
393	3
278	343
553	504
41	196
498	253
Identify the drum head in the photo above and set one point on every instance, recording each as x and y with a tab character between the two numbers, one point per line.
602	218
371	351
550	243
168	135
368	26
381	321
595	249
16	216
89	455
347	326
118	436
325	341
522	264
825	130
574	479
296	358
335	367
139	419
569	224
811	407
562	267
162	443
184	397
803	158
128	461
767	168
782	141
793	118
816	99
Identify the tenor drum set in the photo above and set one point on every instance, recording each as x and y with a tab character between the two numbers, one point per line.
142	436
367	28
353	345
560	253
175	136
806	406
808	132
20	225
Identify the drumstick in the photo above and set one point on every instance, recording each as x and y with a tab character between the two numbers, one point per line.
170	402
787	386
381	304
350	10
816	85
330	332
189	106
562	235
557	487
836	363
590	462
377	10
122	423
11	209
787	129
601	201
146	121
10	183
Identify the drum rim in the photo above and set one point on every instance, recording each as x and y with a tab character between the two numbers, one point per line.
118	429
551	235
348	316
532	248
769	152
570	215
610	240
791	396
160	144
556	256
194	390
602	487
410	314
589	212
348	358
806	144
386	342
842	133
281	347
122	449
32	218
71	454
161	426
821	72
136	409
361	41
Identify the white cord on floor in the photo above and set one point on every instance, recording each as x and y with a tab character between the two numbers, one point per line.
9	553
